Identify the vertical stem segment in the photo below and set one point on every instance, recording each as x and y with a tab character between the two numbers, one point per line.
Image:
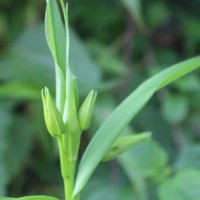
68	171
69	181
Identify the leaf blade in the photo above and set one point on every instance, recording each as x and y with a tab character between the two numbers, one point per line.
123	115
125	143
41	197
55	34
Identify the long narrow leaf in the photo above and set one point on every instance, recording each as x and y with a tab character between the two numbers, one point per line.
55	34
124	113
30	198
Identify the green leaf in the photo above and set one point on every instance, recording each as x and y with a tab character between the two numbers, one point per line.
55	34
31	198
107	58
139	165
14	152
19	136
184	185
83	64
188	157
125	143
172	103
19	91
139	162
98	190
119	119
190	84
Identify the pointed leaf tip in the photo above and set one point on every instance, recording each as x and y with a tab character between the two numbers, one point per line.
125	143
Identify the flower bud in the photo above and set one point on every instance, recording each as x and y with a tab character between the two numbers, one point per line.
52	116
85	112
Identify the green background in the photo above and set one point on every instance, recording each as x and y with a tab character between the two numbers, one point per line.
115	45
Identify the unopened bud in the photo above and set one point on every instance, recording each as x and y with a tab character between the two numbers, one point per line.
52	116
85	112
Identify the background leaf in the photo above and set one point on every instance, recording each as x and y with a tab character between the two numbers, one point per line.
19	91
32	57
188	158
175	108
184	185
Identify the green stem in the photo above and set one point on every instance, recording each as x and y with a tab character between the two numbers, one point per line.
68	171
69	181
63	161
77	197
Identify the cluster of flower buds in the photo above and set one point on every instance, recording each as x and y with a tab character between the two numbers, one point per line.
53	118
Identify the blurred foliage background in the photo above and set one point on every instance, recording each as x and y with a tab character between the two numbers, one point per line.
115	45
